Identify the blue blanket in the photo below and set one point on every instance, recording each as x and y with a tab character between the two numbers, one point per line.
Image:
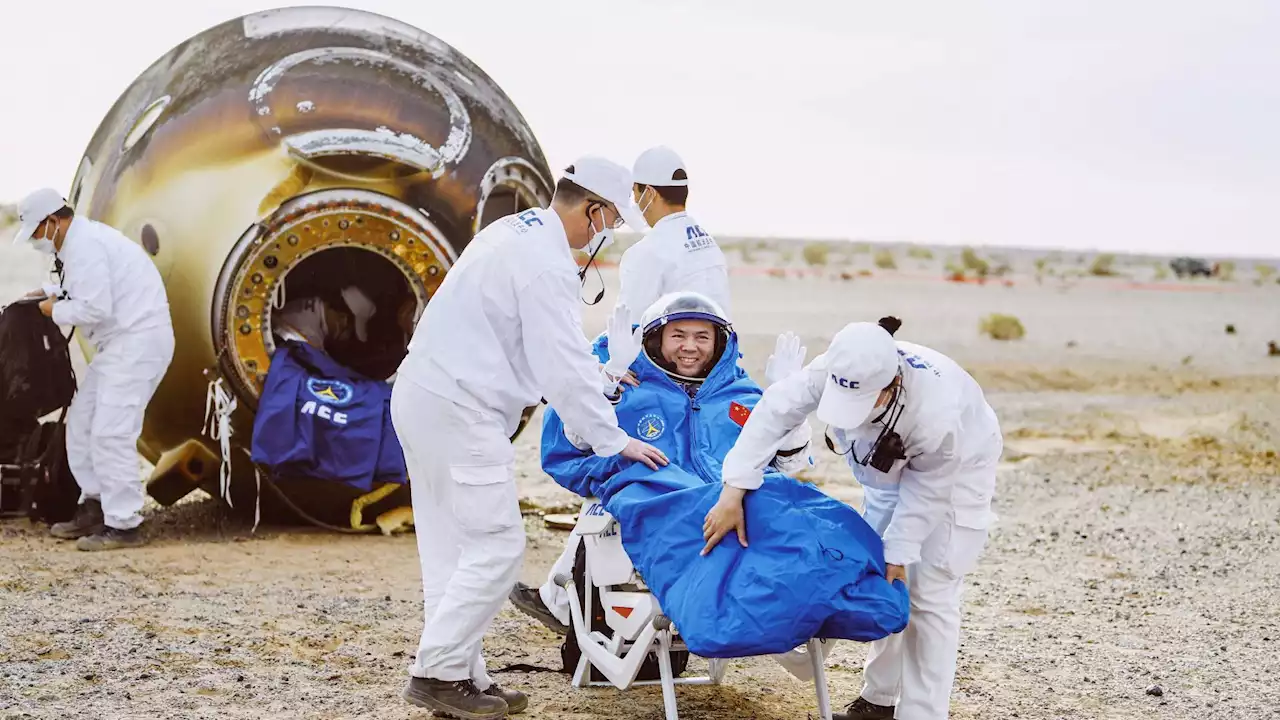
813	568
318	419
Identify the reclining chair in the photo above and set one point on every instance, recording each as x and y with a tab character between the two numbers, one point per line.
636	626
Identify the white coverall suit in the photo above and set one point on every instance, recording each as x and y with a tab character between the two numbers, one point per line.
676	255
116	300
932	509
503	331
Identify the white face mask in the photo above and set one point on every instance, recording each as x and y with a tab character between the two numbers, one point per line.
44	244
602	238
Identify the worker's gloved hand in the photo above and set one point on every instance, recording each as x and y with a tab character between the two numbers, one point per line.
645	453
724	517
787	358
624	348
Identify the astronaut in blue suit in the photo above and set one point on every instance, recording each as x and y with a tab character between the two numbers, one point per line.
692	398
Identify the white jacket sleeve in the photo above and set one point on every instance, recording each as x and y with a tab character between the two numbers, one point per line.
924	498
640	281
784	406
562	364
88	287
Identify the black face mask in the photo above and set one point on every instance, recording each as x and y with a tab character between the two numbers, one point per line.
888	447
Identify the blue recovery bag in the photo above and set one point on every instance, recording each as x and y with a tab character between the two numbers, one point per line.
812	566
318	419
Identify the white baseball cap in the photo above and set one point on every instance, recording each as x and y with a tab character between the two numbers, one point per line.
861	361
610	181
657	167
362	308
38	206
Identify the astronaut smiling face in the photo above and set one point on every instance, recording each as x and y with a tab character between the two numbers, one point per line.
689	345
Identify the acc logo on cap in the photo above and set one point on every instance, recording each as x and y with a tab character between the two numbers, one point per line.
331	392
842	382
651	427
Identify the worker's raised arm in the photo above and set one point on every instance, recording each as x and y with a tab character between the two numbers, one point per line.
566	372
783	407
88	287
924	497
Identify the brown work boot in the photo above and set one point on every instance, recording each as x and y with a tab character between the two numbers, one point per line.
516	701
456	699
861	709
109	538
86	521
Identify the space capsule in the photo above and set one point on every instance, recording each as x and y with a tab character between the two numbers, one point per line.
293	152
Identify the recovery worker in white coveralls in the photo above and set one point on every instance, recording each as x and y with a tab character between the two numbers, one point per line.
114	296
676	254
923	442
503	331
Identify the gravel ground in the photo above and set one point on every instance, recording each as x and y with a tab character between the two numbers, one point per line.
1137	546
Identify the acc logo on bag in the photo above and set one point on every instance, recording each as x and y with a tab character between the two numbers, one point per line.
331	392
651	427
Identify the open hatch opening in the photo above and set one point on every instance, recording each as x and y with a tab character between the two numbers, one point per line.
324	275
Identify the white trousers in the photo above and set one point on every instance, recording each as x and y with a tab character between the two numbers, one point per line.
105	421
915	669
470	534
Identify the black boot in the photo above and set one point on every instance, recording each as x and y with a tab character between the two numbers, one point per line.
86	521
109	538
517	702
528	601
459	699
860	709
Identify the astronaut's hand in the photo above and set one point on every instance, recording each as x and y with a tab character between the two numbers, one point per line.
895	572
787	358
46	306
726	515
624	343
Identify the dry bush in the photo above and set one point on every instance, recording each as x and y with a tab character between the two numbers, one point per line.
1002	327
786	256
815	253
860	249
1162	272
864	273
972	262
920	253
1103	265
885	261
1264	271
1226	271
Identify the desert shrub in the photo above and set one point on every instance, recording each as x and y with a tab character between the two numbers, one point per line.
1226	271
1041	263
1264	271
8	215
1002	269
1162	272
786	256
885	261
920	253
748	256
1103	265
864	273
860	249
815	253
1002	327
974	263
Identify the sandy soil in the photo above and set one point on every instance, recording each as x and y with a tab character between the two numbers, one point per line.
1137	543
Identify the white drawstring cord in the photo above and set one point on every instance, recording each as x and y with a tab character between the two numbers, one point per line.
218	406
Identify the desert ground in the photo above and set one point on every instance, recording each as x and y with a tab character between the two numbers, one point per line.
1138	545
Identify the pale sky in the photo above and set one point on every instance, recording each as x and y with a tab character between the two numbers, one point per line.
1148	125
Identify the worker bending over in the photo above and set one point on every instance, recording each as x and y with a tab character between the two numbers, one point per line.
923	442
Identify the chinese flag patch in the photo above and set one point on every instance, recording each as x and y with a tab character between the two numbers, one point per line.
739	413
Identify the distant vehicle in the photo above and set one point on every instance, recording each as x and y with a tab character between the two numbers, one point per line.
1189	266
